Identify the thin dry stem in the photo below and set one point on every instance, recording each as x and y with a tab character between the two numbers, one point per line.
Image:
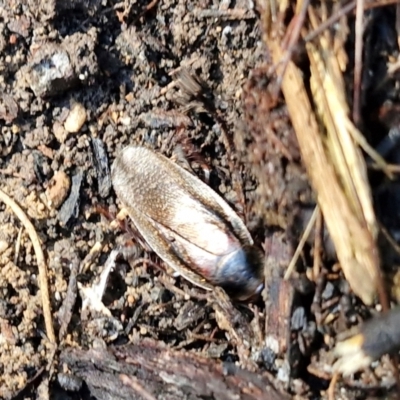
317	245
334	164
301	244
358	61
42	267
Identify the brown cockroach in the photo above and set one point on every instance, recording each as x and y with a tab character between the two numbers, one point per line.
186	223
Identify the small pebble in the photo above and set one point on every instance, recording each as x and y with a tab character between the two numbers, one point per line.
125	121
299	319
328	291
3	246
58	189
115	116
143	330
59	132
76	118
131	299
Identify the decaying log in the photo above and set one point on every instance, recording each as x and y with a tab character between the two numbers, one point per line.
148	370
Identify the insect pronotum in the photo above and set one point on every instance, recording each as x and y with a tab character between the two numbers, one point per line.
186	223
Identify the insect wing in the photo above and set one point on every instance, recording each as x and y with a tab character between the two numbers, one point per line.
183	220
161	244
174	198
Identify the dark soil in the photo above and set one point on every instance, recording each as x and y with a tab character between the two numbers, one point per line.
80	80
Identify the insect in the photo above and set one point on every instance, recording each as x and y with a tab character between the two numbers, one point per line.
190	227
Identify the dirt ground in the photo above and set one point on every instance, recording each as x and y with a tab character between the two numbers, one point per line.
80	80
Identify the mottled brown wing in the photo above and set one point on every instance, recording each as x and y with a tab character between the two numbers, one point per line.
161	245
172	197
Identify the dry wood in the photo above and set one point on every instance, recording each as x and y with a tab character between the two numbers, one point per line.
150	370
278	294
332	157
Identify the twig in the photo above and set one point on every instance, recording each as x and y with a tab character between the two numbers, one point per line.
332	386
389	238
342	12
17	247
330	21
66	310
317	245
358	61
301	244
372	153
44	288
291	39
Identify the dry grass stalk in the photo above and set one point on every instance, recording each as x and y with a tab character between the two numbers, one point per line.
42	266
332	157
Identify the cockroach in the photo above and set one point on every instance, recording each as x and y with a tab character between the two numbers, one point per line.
190	227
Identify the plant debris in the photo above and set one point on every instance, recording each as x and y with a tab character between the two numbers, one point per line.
287	110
